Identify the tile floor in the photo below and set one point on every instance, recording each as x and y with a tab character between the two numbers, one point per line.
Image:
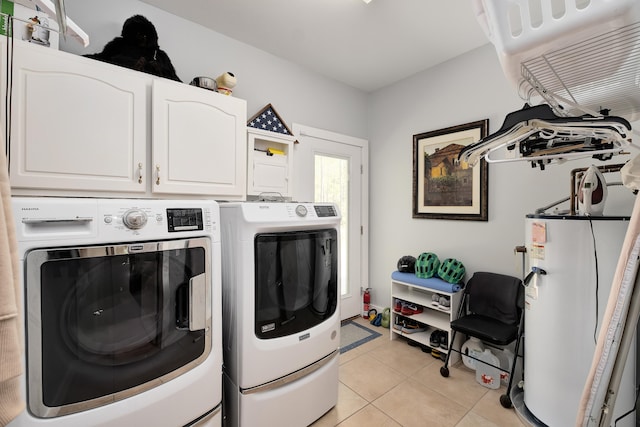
390	383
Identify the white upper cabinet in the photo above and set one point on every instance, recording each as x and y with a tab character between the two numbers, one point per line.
76	124
198	141
83	127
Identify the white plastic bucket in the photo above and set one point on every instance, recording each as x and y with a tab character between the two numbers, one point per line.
506	361
486	375
471	347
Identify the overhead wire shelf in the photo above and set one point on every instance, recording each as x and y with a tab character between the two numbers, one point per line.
596	74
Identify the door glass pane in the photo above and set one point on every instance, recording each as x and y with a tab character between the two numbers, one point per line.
114	322
296	278
332	186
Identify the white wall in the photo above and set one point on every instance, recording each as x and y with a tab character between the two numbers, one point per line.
297	95
468	88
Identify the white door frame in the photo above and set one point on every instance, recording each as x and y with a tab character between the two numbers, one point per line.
303	191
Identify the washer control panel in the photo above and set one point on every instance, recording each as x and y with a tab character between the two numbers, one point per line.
184	220
108	220
171	219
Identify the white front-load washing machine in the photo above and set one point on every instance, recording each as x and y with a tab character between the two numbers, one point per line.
122	315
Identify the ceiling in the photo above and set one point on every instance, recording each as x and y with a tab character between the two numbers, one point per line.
367	46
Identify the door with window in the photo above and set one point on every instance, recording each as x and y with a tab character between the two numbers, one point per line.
331	167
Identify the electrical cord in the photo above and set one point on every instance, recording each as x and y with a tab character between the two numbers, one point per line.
595	256
8	89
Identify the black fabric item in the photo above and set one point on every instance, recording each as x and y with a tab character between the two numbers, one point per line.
495	296
138	49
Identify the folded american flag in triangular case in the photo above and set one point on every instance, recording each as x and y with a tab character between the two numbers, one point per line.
268	119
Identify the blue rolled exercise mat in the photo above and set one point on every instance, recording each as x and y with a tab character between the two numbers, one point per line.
434	283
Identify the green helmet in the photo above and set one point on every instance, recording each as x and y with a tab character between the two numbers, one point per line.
427	265
451	270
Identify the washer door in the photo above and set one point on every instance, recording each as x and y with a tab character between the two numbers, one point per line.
114	320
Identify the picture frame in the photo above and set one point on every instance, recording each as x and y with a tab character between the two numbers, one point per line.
443	187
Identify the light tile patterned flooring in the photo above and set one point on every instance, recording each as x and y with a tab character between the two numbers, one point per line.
390	383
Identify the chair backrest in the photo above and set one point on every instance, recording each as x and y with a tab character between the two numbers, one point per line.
495	295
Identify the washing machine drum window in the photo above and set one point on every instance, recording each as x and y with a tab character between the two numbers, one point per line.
110	327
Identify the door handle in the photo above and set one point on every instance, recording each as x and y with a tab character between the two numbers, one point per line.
198	302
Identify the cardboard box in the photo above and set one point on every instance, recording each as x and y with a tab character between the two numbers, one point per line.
28	24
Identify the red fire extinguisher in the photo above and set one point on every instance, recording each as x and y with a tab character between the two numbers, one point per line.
366	300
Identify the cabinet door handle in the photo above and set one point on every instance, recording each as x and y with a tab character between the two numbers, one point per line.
139	173
157	174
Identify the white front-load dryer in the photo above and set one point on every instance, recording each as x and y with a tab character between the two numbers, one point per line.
281	293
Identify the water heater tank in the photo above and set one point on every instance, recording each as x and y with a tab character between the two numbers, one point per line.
564	311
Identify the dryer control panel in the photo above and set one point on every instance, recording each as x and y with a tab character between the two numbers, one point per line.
325	210
277	215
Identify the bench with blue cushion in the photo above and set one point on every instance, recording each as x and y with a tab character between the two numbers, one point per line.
434	283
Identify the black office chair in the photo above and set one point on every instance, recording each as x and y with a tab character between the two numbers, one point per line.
492	311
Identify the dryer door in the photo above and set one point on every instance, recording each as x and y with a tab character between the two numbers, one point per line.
296	285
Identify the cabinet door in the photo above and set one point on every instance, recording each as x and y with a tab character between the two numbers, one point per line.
198	141
77	124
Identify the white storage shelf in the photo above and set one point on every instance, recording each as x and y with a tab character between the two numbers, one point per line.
433	317
269	172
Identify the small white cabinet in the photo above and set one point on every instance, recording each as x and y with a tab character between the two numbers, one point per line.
432	317
83	127
198	141
269	162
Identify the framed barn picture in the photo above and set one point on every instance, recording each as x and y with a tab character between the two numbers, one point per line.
443	187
